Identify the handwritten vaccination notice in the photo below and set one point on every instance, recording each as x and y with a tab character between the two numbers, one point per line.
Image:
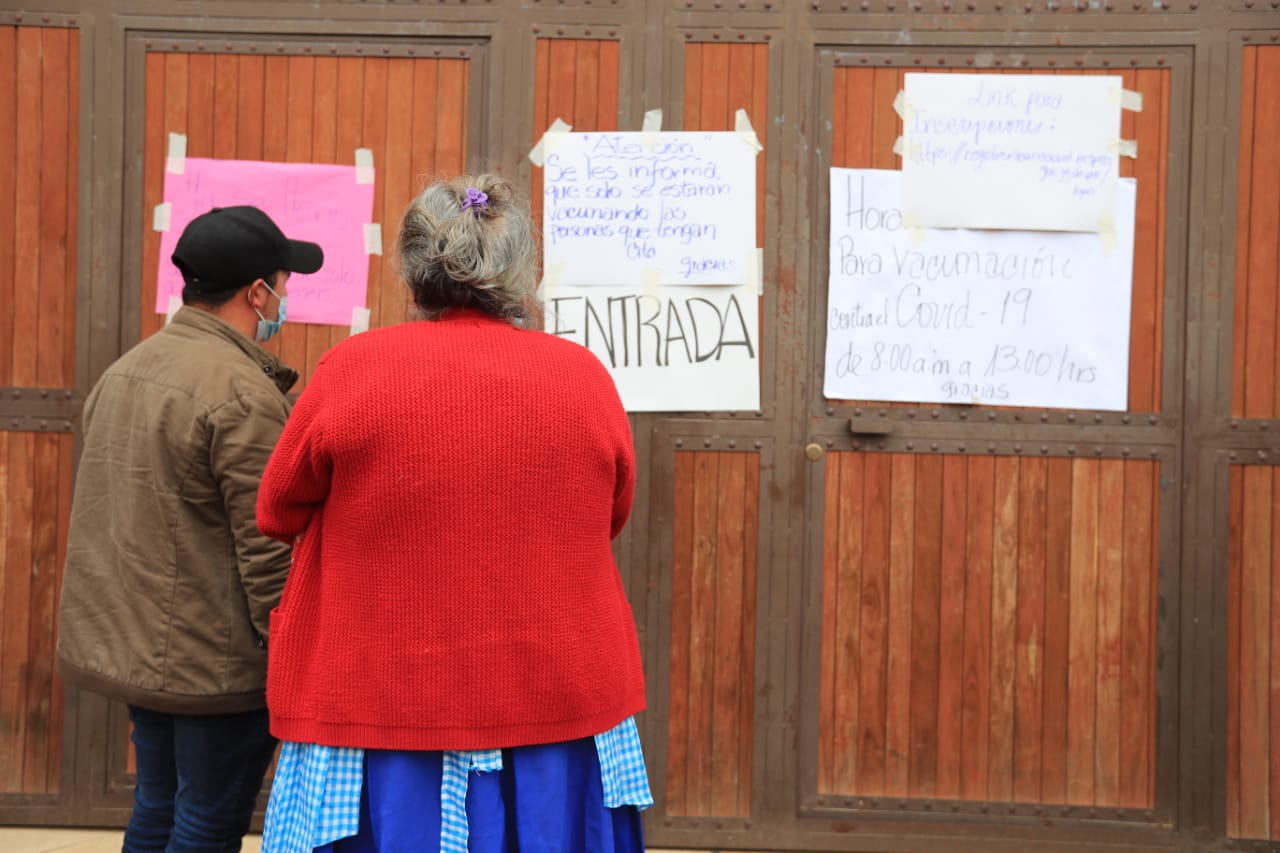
988	318
634	209
650	262
320	203
1025	152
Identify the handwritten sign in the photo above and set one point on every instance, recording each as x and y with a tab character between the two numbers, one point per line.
319	203
987	318
632	209
1027	152
677	350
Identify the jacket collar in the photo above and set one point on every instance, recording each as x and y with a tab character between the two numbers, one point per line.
280	373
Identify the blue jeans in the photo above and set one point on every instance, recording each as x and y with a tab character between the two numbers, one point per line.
198	780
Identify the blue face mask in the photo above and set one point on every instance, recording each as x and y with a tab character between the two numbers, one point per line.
267	328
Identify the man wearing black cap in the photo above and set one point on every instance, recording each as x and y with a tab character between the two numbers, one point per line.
168	584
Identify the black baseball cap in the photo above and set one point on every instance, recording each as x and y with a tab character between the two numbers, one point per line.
230	247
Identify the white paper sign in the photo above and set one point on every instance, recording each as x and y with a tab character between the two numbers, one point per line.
1029	152
988	318
629	208
677	349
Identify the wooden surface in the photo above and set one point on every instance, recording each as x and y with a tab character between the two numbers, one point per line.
305	109
1253	670
1255	355
39	161
989	629
713	606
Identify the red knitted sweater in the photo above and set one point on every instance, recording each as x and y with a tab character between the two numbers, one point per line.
454	487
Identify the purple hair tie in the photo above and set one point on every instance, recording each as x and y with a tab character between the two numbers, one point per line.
476	200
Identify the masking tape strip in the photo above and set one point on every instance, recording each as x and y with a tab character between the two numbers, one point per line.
759	261
652	281
1107	233
539	152
175	302
914	229
372	238
898	146
1123	147
652	122
176	161
359	320
901	107
747	133
364	165
161	216
1127	99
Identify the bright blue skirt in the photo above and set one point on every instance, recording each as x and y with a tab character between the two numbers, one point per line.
545	799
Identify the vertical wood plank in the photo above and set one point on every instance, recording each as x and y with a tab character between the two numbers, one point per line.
1244	190
1235	536
1137	717
1110	585
747	664
1029	675
1057	621
829	686
72	183
701	632
375	131
226	84
976	713
26	233
727	637
298	133
251	105
681	612
8	200
395	156
451	142
51	321
901	556
1273	697
1255	653
874	623
324	149
849	560
1004	651
586	83
17	602
1082	664
44	571
715	87
201	89
1263	257
350	136
885	124
926	592
153	141
607	107
692	119
951	623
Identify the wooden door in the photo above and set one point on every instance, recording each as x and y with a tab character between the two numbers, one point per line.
993	584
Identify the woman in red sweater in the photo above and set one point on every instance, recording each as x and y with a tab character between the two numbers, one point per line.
453	665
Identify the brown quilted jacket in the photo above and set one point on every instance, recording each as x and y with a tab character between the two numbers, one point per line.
168	584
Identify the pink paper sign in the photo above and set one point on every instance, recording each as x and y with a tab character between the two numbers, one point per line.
319	203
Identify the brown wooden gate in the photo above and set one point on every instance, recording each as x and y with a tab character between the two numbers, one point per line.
865	626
